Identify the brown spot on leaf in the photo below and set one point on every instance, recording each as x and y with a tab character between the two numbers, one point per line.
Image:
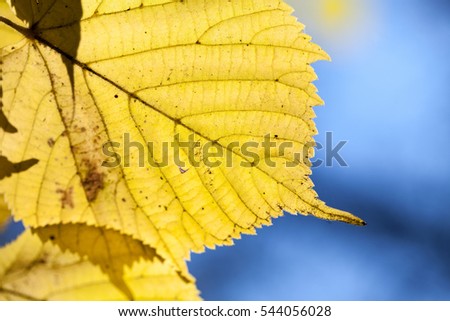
51	142
93	181
66	197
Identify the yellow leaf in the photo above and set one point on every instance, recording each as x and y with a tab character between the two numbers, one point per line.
33	270
4	213
92	74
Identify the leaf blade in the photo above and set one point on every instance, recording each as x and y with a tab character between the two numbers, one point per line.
183	82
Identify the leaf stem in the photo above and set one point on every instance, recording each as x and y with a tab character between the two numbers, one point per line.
24	31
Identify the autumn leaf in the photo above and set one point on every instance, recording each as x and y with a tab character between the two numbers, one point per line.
34	270
90	74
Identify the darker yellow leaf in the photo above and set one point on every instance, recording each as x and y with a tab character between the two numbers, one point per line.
109	249
34	270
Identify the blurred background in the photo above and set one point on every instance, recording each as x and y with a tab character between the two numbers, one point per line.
387	93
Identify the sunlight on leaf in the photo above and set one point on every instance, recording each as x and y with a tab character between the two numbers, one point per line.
217	72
